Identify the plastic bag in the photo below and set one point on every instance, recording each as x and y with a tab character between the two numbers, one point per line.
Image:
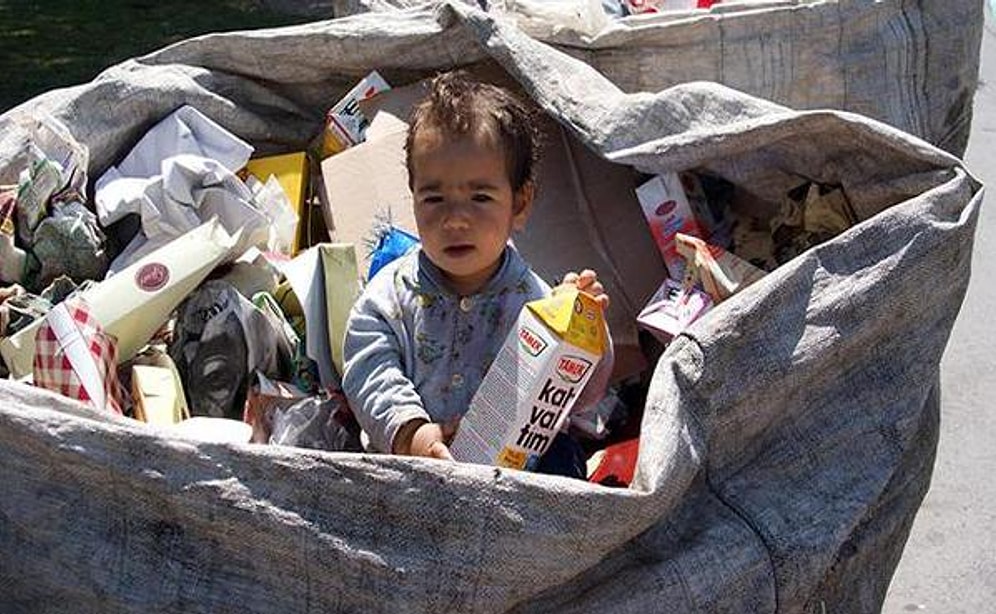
317	422
220	338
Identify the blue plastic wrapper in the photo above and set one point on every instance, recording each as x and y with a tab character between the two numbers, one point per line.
392	244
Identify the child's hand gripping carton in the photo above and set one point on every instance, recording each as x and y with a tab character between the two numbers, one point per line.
539	373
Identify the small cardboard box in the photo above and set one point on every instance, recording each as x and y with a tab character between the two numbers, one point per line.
528	392
345	123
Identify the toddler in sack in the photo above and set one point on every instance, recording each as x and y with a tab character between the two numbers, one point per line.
428	325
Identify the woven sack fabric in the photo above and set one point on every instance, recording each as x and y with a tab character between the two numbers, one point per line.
788	439
913	65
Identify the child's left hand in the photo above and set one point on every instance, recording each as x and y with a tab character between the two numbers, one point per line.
586	281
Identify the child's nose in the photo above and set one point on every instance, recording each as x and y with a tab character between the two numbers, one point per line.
457	218
456	222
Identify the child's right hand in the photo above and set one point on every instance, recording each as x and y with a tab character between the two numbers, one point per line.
586	281
421	438
429	440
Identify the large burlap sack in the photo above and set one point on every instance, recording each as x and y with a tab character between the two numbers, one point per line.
911	65
788	439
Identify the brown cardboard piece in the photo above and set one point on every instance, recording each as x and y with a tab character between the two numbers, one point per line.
364	186
586	214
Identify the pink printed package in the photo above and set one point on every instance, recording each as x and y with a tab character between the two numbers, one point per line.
672	309
666	208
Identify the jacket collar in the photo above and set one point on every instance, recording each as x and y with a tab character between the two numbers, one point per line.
422	276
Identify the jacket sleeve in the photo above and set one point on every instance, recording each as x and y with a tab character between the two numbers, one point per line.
375	381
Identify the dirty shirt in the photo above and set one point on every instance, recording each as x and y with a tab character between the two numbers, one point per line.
414	349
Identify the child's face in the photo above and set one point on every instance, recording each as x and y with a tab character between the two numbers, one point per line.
465	207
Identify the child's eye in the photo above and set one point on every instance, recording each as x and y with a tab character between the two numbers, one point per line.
432	199
481	197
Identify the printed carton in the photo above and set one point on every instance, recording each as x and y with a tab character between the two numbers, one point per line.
528	392
720	273
345	123
133	304
672	309
668	212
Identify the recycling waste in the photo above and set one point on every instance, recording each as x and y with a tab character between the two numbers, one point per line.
177	281
219	240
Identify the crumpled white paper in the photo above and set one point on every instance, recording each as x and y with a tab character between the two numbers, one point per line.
180	174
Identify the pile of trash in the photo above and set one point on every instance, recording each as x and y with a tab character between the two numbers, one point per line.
180	289
198	290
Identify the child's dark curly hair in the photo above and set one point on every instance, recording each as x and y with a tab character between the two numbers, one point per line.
459	106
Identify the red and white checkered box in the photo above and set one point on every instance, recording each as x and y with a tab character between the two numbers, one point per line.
75	357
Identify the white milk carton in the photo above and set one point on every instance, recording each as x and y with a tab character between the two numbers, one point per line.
668	212
345	122
528	392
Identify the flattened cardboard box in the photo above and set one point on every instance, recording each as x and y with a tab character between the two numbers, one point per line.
364	186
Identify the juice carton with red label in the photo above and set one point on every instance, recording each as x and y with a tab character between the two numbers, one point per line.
345	123
668	212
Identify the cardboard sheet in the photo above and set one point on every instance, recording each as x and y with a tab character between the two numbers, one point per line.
342	288
364	186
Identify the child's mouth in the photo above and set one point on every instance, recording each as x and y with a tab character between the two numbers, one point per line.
458	251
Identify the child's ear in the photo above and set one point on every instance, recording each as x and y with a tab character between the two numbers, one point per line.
522	205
